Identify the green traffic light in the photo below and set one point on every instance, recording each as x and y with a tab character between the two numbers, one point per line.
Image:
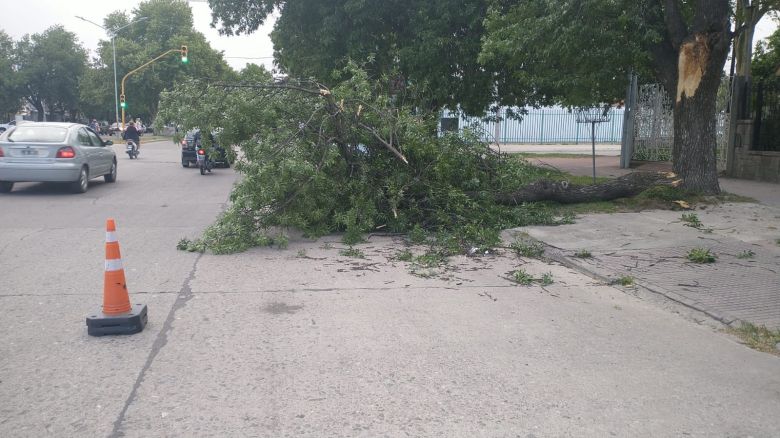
123	105
184	59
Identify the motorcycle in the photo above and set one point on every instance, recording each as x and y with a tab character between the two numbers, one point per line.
204	161
132	149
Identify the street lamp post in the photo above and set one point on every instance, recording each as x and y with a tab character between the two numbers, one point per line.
112	34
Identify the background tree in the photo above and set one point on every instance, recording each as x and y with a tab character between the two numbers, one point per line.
747	14
96	92
683	42
433	44
169	26
550	52
49	66
10	99
766	62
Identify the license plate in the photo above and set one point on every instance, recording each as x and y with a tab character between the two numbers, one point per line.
30	152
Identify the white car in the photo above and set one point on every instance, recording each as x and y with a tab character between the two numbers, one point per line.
54	152
6	126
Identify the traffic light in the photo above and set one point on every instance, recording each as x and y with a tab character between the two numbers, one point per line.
184	54
122	101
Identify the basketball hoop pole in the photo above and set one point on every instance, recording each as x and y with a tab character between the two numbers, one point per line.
593	146
593	115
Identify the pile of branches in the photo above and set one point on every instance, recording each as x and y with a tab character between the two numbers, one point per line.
354	159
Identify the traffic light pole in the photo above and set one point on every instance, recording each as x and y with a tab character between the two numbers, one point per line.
182	51
113	33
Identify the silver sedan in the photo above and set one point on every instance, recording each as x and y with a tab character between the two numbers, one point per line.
54	152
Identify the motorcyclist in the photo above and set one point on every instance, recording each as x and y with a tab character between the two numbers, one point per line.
131	133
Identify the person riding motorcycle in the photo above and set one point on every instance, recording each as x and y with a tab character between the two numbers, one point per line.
131	133
95	126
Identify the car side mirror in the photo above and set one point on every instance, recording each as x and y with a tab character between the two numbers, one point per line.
108	143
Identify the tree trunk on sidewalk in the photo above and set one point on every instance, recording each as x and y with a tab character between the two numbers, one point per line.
565	193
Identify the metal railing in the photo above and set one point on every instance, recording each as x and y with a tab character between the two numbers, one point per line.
538	126
765	105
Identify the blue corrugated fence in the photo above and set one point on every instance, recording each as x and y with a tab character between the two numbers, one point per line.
543	125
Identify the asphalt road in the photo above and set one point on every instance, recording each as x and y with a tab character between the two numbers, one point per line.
307	341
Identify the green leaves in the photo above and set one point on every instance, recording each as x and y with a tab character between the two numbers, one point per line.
320	160
48	67
169	25
10	92
575	53
431	45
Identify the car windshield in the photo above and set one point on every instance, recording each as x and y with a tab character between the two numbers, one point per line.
38	134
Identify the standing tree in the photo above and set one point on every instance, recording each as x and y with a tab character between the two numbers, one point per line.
96	92
10	99
169	25
683	42
766	62
432	44
49	66
747	15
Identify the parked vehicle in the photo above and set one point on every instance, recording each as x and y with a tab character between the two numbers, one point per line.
189	148
191	143
54	152
131	149
115	129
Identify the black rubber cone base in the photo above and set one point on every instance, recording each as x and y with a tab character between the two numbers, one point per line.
128	323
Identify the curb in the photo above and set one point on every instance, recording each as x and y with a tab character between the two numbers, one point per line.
556	255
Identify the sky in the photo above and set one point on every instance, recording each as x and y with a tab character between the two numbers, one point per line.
35	16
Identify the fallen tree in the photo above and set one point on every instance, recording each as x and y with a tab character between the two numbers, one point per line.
625	186
354	159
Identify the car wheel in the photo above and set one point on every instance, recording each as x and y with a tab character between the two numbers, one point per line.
185	163
111	176
81	185
6	187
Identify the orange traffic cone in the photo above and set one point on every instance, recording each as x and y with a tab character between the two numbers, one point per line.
115	297
117	316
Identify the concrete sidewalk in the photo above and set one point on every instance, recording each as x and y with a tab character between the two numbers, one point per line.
585	148
651	247
609	166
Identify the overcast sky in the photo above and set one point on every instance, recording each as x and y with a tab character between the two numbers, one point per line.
34	16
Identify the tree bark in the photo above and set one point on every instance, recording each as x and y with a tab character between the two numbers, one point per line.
701	61
701	57
565	193
39	107
747	16
689	60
